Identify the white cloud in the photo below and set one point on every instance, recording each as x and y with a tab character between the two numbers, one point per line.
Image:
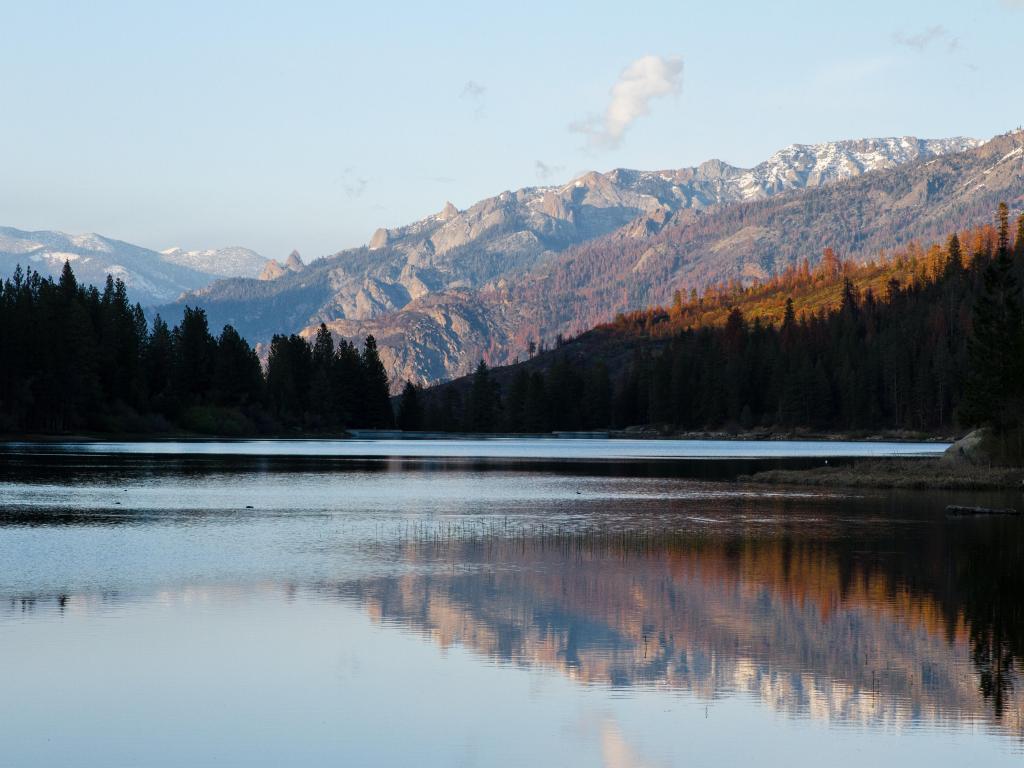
1013	4
646	79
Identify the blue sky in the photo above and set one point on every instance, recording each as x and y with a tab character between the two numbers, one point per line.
309	124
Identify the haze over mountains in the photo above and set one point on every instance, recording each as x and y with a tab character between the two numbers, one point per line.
527	265
152	277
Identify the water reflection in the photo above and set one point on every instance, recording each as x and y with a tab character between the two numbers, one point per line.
820	629
872	612
845	631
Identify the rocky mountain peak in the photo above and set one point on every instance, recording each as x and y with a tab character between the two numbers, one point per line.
379	239
448	213
272	270
294	262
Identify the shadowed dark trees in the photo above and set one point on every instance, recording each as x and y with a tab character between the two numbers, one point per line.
75	357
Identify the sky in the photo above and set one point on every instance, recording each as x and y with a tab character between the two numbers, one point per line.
309	124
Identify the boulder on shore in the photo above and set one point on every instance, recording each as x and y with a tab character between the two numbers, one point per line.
969	449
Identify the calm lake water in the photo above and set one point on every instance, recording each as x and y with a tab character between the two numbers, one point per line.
569	603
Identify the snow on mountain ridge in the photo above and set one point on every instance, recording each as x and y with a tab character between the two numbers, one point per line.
232	261
712	182
803	164
514	231
151	277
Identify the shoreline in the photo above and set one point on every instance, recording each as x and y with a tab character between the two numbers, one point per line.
896	473
396	434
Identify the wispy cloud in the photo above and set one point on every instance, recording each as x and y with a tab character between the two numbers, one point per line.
351	182
474	93
936	35
646	79
545	171
1013	4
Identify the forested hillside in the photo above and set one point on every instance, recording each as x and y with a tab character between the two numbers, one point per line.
927	339
861	218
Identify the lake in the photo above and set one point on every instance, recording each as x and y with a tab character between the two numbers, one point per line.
497	602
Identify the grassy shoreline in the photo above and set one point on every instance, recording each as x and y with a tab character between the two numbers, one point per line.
919	474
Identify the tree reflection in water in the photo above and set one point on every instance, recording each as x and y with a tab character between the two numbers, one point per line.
881	627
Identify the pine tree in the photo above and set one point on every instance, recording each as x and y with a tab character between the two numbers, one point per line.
954	257
322	405
410	416
237	375
376	401
158	364
788	324
515	405
597	401
996	348
67	285
483	404
289	367
194	353
348	387
1018	243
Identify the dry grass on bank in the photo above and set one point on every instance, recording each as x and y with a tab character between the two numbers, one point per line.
896	473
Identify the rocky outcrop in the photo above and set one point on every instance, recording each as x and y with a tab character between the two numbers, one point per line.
381	237
432	336
274	270
969	449
294	262
448	213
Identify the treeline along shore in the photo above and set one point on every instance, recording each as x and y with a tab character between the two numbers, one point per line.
929	340
80	358
924	340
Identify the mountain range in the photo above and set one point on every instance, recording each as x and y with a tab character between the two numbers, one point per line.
152	277
522	266
526	266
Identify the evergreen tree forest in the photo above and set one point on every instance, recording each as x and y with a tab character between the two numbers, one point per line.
77	357
927	340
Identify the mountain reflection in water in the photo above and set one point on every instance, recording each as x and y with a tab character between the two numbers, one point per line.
847	632
633	580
